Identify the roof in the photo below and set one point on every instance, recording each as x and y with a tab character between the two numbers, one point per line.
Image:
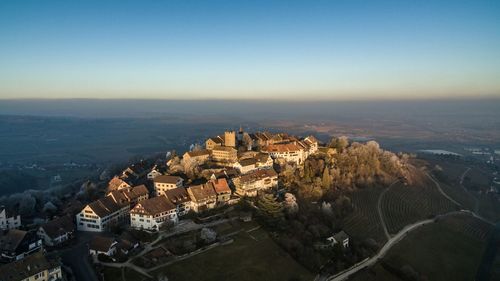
262	157
248	162
220	185
115	182
167	179
217	139
257	175
27	267
224	148
203	152
101	243
201	192
340	236
105	206
10	240
177	195
311	139
58	226
126	196
154	206
282	147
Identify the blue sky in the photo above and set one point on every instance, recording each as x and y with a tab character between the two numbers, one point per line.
249	49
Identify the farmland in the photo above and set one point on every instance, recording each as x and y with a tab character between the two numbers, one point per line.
365	222
252	256
449	249
403	205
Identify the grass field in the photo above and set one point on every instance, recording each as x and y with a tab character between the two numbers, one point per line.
403	205
252	256
450	249
364	222
116	274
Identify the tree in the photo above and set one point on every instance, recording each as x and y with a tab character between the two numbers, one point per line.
269	207
327	180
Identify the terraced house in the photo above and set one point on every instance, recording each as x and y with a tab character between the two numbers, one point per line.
165	182
151	214
99	215
180	198
203	197
251	183
36	267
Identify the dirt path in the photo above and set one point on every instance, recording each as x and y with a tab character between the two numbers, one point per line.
379	209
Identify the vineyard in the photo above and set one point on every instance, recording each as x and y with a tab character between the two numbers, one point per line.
403	205
460	195
469	225
364	222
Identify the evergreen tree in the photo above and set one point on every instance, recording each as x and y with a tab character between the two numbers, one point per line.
327	180
269	207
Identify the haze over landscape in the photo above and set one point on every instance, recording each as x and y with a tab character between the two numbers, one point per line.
249	140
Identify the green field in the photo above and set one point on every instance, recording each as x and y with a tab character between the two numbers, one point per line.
252	256
450	249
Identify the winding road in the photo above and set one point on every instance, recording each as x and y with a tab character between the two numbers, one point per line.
400	235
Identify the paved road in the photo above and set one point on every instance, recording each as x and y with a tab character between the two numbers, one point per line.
76	257
398	237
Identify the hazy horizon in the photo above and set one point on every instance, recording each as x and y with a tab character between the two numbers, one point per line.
250	50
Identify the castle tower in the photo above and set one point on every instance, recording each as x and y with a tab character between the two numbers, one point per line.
230	138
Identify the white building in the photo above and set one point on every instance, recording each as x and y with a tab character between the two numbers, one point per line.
180	198
340	237
8	222
153	173
165	182
250	183
290	152
151	214
99	215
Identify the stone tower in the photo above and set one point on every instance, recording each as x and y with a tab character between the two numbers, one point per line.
230	138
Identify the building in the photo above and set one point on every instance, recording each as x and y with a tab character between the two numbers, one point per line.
264	161
57	231
101	214
180	198
151	214
165	182
249	184
36	267
203	197
224	154
246	165
153	173
130	196
213	142
230	139
222	190
117	183
100	245
290	152
8	221
312	144
340	237
200	156
16	244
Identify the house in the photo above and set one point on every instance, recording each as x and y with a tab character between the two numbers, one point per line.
246	165
102	245
340	237
249	184
180	198
151	214
203	197
99	215
57	231
8	221
16	244
117	183
200	156
135	171
222	189
213	142
130	196
290	152
35	267
224	154
264	161
165	182
153	173
312	144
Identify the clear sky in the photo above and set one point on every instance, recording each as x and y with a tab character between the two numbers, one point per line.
249	49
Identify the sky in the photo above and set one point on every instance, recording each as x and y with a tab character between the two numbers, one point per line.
312	50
